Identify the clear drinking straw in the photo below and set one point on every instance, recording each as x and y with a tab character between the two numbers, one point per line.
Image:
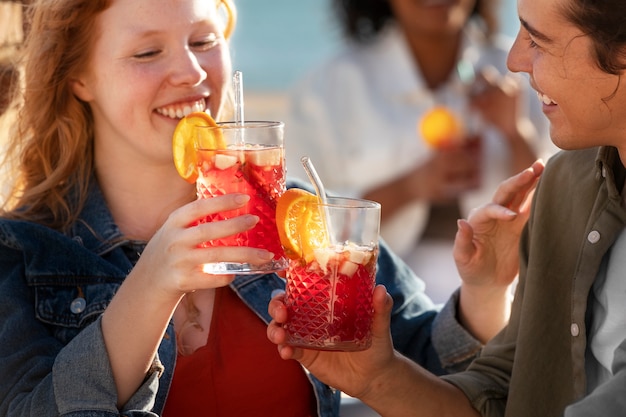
315	179
319	190
238	88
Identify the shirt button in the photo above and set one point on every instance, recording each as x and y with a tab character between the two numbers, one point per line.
78	305
593	236
574	329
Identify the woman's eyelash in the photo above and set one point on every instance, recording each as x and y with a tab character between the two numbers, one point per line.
205	43
146	54
208	41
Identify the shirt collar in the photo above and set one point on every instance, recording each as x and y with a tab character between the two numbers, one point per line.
402	79
609	166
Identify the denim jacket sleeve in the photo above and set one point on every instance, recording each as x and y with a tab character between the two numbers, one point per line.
420	330
47	368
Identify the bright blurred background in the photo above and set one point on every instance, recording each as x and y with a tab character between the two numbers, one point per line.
277	41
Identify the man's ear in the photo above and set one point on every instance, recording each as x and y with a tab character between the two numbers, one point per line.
80	89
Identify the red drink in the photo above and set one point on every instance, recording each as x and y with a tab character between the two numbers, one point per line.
257	171
329	299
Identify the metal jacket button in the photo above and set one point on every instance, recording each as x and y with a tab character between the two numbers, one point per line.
78	305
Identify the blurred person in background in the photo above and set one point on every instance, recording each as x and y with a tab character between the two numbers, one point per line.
357	117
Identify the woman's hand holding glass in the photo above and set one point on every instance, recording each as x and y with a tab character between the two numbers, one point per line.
173	258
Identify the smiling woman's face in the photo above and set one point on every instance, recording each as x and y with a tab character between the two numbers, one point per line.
586	106
152	62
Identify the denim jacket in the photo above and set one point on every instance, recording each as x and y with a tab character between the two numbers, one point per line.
54	288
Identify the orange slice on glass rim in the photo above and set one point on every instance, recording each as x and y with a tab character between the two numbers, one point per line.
440	128
184	143
300	223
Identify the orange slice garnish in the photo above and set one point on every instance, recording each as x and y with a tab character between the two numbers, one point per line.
440	128
300	223
184	141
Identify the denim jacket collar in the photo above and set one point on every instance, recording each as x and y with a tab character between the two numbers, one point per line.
95	228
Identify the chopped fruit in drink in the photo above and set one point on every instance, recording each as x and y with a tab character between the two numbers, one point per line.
267	157
186	138
300	223
359	256
348	268
440	128
225	161
322	256
347	258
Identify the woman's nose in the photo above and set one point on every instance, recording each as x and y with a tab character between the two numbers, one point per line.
187	70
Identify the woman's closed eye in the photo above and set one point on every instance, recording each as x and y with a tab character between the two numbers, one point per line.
206	42
151	53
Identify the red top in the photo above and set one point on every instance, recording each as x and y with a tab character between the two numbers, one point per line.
238	372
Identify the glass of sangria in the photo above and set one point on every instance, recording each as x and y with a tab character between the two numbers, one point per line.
333	251
249	158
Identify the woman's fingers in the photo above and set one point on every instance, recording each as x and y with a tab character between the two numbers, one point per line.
176	255
200	208
195	237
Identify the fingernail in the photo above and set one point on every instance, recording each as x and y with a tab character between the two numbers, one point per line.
242	199
276	292
264	254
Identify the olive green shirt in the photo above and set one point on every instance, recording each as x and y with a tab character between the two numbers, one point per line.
536	365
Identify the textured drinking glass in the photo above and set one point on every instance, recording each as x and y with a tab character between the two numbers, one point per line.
252	163
329	292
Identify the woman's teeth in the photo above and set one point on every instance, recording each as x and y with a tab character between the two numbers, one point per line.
180	111
545	99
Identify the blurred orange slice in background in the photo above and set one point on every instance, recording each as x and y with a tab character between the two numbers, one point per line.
300	223
440	128
184	142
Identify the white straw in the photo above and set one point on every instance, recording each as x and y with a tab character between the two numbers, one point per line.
238	87
239	119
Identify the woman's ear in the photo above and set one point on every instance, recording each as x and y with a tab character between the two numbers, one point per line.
80	89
